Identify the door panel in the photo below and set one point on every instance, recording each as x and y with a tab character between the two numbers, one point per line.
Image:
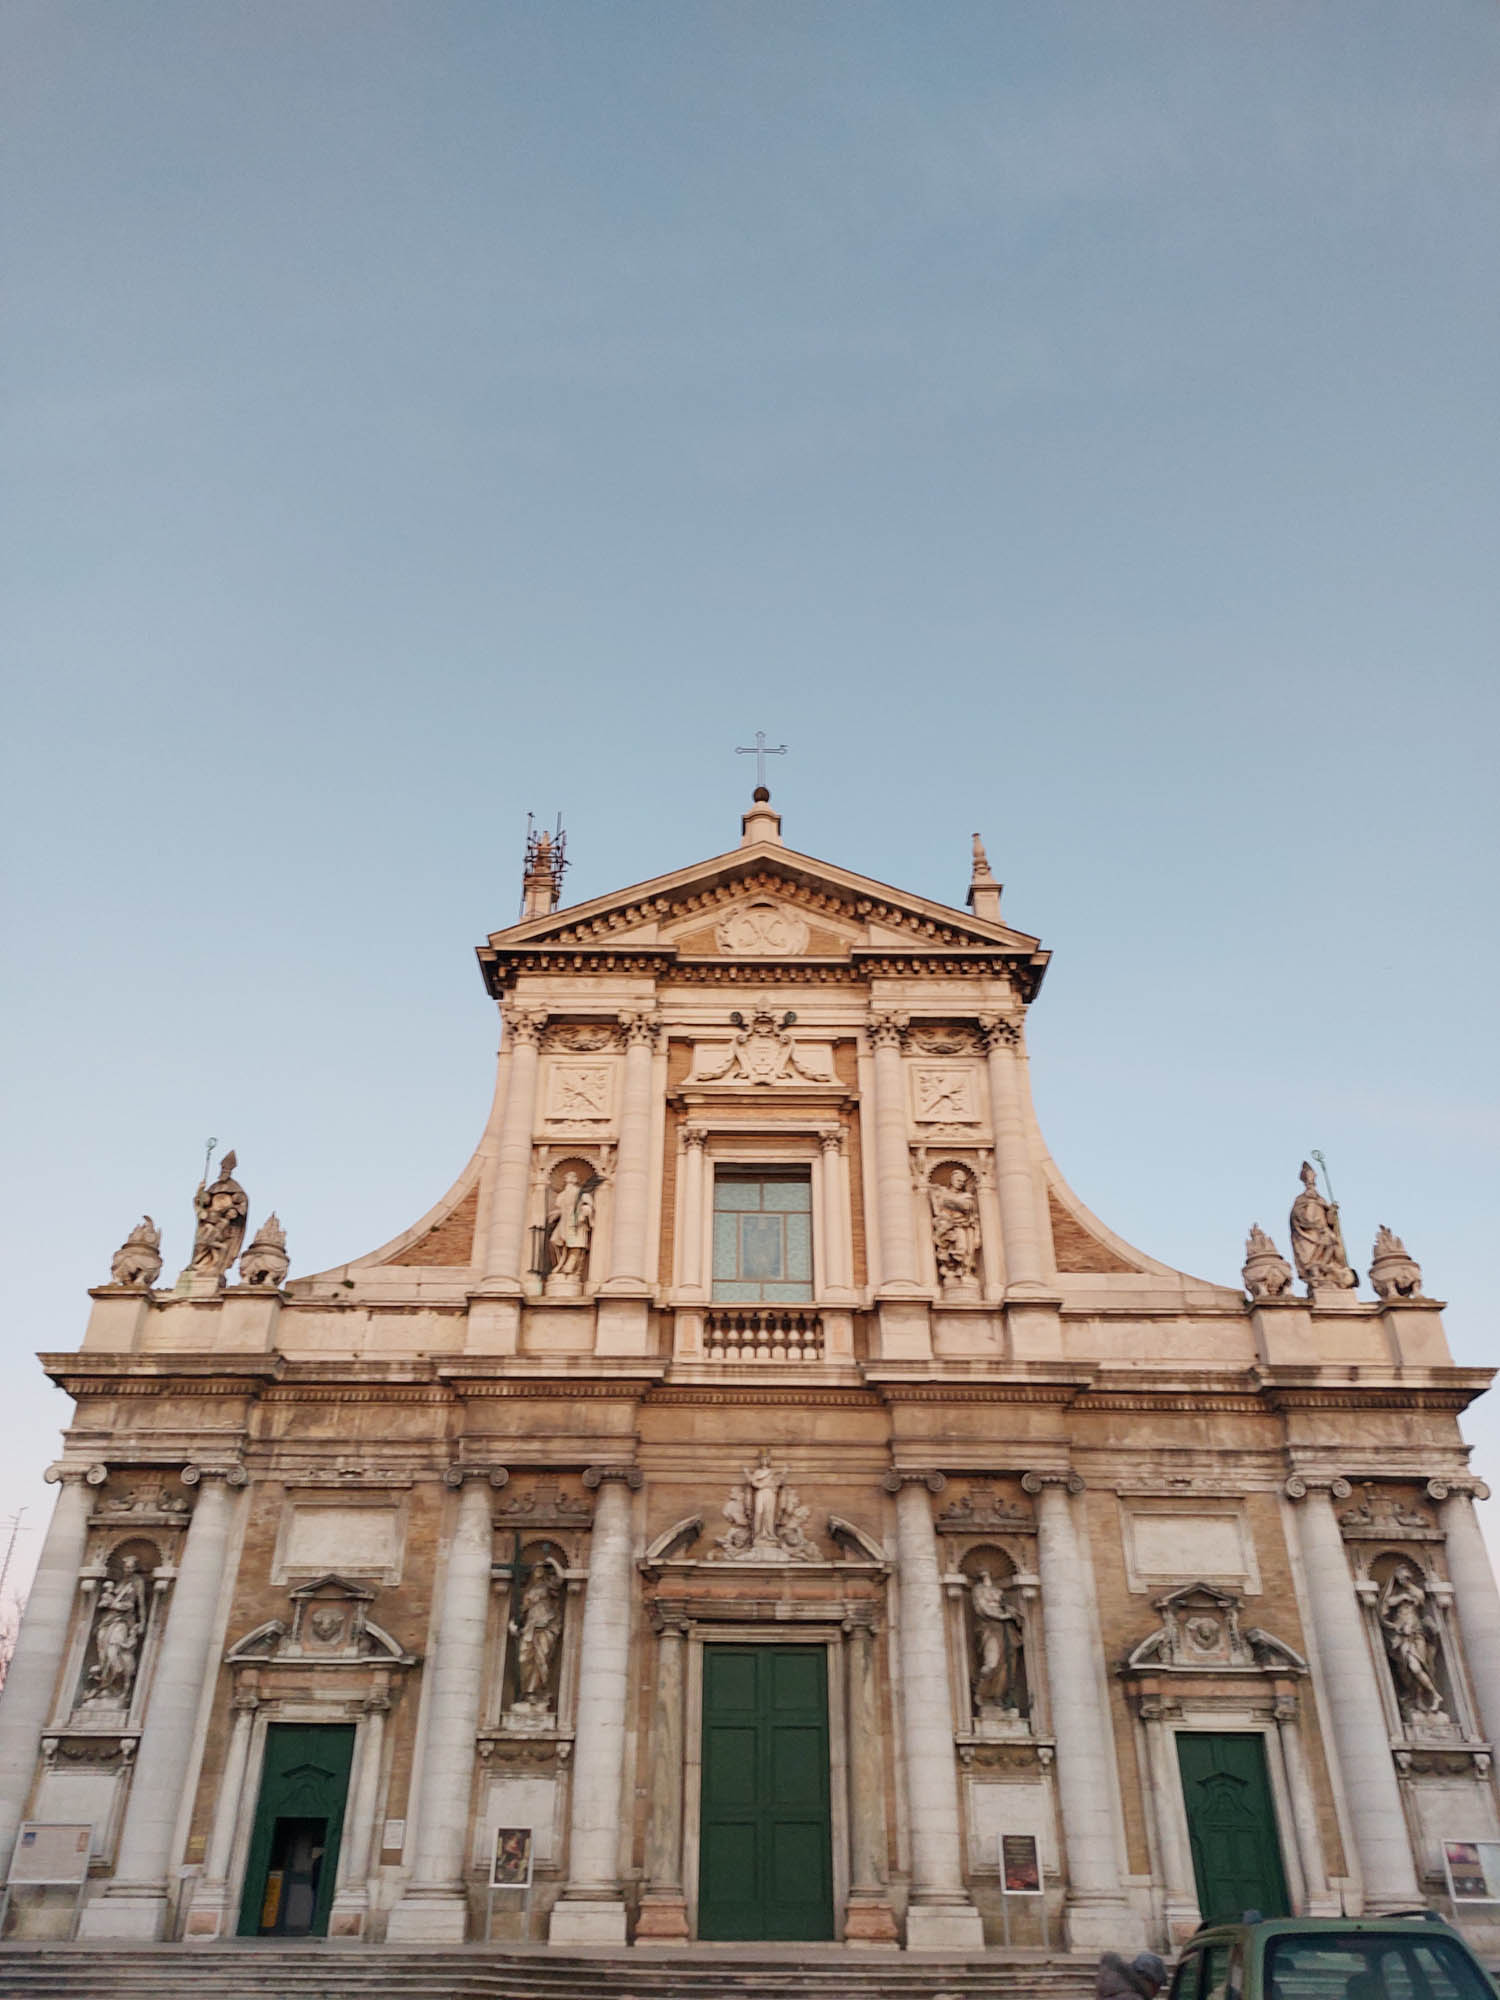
766	1866
299	1820
1232	1826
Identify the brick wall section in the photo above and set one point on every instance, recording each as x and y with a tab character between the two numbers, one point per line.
1075	1248
450	1241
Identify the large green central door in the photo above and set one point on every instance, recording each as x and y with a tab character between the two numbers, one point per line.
299	1820
766	1869
1232	1826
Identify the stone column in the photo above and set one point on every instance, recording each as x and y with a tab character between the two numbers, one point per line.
1097	1912
1015	1186
692	1164
30	1686
209	1914
627	1250
1182	1913
663	1915
352	1894
1475	1597
939	1914
591	1909
1360	1733
436	1903
135	1903
1304	1806
868	1918
898	1251
504	1251
838	1274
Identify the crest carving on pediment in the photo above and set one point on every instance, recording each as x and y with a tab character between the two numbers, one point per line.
329	1625
761	930
1201	1632
761	1051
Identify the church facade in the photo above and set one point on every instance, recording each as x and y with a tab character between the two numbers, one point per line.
758	1501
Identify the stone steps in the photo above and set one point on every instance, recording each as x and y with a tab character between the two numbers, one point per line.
254	1971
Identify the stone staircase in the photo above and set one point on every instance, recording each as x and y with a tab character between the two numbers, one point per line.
308	1971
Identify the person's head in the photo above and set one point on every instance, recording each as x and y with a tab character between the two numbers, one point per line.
1148	1967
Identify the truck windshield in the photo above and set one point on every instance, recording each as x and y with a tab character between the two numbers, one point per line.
1372	1967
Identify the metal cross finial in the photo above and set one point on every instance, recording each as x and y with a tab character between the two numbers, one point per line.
760	750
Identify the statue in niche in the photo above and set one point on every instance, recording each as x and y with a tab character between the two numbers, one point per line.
120	1625
955	1229
1410	1628
767	1521
998	1677
138	1259
570	1228
221	1208
1266	1273
1317	1240
537	1630
1394	1272
265	1263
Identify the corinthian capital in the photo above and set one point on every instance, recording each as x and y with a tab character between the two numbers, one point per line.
1000	1031
524	1026
639	1030
887	1031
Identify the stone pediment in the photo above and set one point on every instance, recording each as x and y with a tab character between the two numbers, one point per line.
330	1625
1201	1633
761	904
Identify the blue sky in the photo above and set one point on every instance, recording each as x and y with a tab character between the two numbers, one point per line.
1074	421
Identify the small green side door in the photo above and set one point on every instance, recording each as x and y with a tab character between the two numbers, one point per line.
766	1867
1232	1826
299	1820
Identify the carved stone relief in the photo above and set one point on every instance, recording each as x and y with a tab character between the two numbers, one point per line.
767	1521
761	930
763	1051
1201	1631
944	1094
579	1093
138	1259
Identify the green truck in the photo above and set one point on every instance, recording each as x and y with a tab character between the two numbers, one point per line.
1333	1958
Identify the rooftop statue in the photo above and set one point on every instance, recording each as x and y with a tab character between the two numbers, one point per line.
1317	1240
221	1207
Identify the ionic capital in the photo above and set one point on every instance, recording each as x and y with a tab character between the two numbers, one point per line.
497	1475
1071	1481
629	1475
900	1476
1451	1485
233	1475
1301	1484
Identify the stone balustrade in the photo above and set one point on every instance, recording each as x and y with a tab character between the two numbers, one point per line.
762	1333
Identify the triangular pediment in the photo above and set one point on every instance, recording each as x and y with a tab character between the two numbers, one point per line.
763	901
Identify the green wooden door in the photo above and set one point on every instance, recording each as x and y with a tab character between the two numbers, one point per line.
299	1820
1232	1825
766	1867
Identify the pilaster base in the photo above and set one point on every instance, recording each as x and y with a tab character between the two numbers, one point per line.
869	1920
349	1916
134	1910
662	1919
208	1915
429	1916
954	1926
1183	1919
623	1326
1105	1925
905	1329
494	1325
1033	1328
587	1922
